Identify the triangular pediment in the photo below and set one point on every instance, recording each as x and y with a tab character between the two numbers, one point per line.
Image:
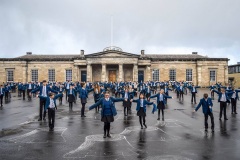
113	54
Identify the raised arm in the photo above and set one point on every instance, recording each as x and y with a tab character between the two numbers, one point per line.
96	104
154	96
117	99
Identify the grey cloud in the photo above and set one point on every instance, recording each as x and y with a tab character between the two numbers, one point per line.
158	26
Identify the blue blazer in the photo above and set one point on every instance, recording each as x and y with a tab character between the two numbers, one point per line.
236	91
73	92
220	95
145	103
158	98
101	101
83	93
204	105
130	95
191	88
3	91
178	88
48	100
39	89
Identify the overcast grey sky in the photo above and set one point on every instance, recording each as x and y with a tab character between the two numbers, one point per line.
209	27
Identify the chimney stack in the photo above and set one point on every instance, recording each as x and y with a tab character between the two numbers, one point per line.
142	52
194	52
82	52
29	53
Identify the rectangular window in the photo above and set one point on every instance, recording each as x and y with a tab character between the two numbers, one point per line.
10	75
189	75
155	76
212	75
172	75
35	75
68	75
51	75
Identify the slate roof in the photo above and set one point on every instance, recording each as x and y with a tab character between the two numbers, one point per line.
152	57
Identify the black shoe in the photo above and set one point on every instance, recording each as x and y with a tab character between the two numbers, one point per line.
104	136
212	130
232	113
39	119
145	125
220	119
225	119
235	112
109	136
44	119
83	116
125	114
162	119
141	127
158	119
206	130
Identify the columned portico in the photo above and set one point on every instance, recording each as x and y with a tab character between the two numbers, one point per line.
120	74
89	72
103	77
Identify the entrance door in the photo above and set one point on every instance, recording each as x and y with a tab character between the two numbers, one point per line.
112	76
140	76
83	76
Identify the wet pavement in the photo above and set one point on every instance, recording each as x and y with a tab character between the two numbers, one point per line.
180	137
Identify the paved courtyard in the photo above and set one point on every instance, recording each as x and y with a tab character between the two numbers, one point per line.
180	137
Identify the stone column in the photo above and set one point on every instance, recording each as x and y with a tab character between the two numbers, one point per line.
135	72
89	72
103	79
148	73
75	73
120	74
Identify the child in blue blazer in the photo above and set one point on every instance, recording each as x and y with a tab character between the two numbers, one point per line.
71	96
108	111
206	104
2	92
51	106
161	102
141	109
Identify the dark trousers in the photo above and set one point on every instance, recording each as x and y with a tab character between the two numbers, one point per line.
212	94
83	109
210	114
234	104
223	106
51	118
70	105
41	109
67	93
23	91
106	128
28	93
193	97
162	113
1	99
142	118
19	93
60	99
6	95
180	95
126	105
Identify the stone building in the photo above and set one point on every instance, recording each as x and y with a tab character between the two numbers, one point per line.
113	64
234	75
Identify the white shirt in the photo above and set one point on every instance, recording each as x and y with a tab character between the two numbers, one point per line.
161	97
193	90
1	92
67	85
234	95
44	91
51	105
107	99
223	98
96	91
181	88
126	95
141	103
29	86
